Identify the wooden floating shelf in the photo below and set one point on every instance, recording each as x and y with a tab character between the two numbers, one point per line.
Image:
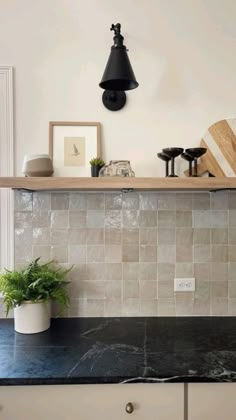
94	184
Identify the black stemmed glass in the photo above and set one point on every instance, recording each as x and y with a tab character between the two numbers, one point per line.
166	158
195	153
172	153
190	161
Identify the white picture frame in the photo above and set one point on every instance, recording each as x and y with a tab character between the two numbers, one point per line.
72	145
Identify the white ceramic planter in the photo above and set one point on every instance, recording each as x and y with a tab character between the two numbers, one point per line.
31	318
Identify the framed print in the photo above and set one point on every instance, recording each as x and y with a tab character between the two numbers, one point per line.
72	145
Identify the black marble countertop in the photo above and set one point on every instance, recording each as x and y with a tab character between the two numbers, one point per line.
120	350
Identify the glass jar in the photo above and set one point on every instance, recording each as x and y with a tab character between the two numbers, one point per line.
117	168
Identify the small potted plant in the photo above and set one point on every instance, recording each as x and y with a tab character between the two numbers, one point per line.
96	165
30	291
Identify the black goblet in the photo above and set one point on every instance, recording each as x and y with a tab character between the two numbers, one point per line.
166	158
190	160
195	153
172	153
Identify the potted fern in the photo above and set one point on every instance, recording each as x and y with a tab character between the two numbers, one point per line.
30	292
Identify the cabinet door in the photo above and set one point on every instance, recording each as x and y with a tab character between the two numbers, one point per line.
92	402
212	401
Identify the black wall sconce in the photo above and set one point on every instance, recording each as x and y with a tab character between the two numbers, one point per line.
118	75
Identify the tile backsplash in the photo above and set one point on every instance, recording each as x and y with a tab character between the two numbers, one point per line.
127	248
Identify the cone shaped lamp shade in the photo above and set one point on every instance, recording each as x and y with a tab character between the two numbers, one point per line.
118	74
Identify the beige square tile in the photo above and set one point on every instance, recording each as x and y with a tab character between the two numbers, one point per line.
95	201
93	289
95	253
202	271
130	289
201	253
44	252
113	253
95	236
60	201
148	289
219	253
201	307
232	253
59	218
201	219
166	236
201	236
130	201
130	253
113	218
95	307
23	237
219	289
130	236
166	218
73	310
232	271
23	219
148	236
148	253
130	218
112	308
232	200
77	273
131	307
147	271
184	270
203	289
59	253
40	218
41	236
95	218
23	254
232	236
232	289
184	305
59	236
166	272
148	307
166	307
113	290
219	271
184	236
76	236
219	236
166	201
232	307
113	236
165	288
148	201
201	201
219	306
183	218
77	218
166	253
113	201
77	201
77	254
23	201
184	201
219	200
232	218
95	271
184	253
148	218
41	201
219	218
130	271
113	271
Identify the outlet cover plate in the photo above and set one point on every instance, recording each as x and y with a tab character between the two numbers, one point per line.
184	285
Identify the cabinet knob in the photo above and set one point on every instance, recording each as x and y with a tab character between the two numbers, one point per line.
129	408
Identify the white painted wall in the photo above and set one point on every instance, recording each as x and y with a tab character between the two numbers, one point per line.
183	53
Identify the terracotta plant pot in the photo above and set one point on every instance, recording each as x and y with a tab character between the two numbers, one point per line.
32	317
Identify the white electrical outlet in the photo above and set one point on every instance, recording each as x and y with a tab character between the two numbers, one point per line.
184	285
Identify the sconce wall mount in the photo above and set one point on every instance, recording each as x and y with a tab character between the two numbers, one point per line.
118	75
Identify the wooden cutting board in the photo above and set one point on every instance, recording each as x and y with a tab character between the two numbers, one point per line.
220	141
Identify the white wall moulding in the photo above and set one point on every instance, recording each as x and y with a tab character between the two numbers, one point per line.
6	167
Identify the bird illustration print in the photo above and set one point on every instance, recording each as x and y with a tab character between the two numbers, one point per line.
75	151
